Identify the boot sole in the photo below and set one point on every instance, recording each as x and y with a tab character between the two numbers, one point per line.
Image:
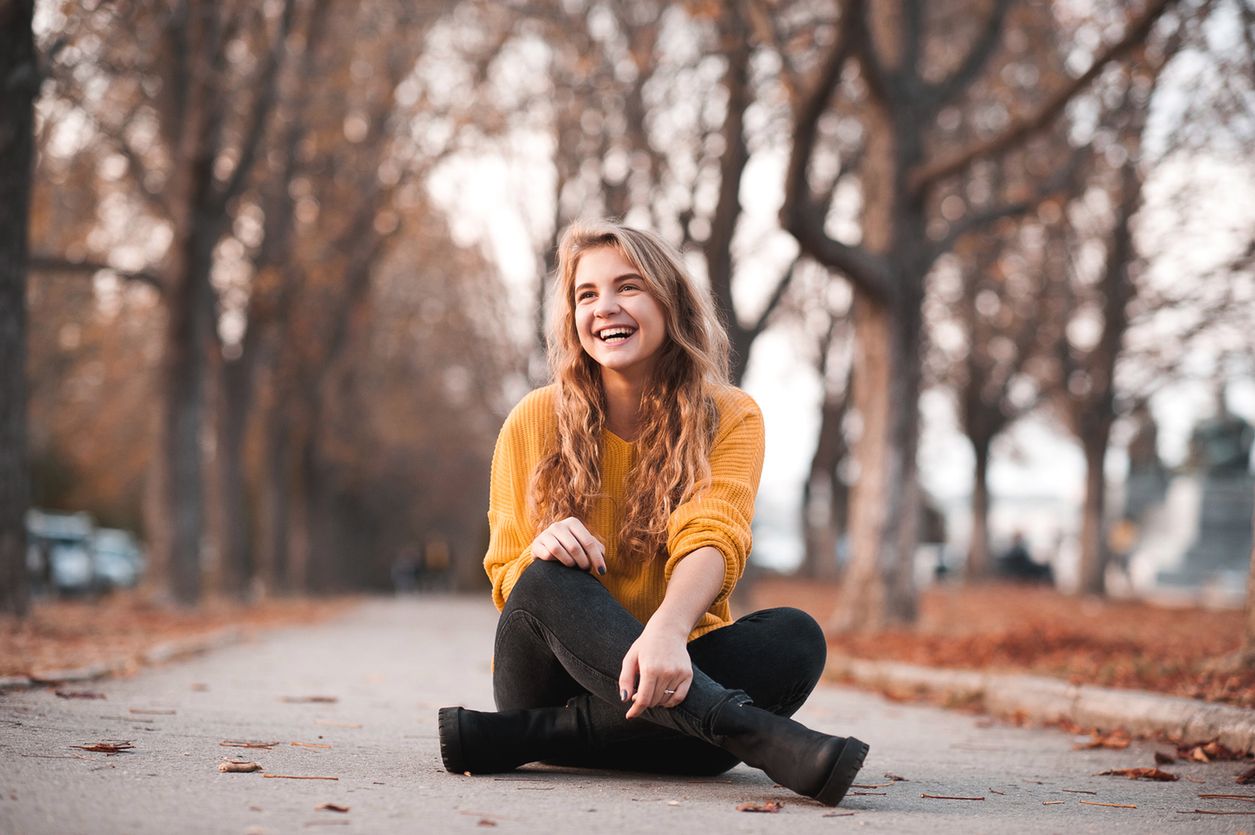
451	740
843	772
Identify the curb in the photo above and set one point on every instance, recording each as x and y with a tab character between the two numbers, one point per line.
1051	700
157	654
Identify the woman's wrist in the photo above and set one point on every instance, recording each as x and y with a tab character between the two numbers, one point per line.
668	623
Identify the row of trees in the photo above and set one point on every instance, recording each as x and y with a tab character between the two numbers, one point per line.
239	228
972	171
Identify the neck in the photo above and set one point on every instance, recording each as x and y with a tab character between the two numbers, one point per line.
623	403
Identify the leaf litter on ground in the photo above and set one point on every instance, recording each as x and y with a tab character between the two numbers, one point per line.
331	807
238	767
107	746
767	806
1141	774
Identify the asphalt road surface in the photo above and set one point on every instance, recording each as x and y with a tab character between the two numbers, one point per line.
389	664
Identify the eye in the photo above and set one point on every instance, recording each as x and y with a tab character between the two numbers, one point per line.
627	285
584	294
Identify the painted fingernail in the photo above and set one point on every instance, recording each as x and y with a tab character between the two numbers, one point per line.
601	569
623	695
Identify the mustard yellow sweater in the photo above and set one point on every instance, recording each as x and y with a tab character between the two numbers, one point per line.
719	516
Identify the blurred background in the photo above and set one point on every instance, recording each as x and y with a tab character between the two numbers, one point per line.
986	265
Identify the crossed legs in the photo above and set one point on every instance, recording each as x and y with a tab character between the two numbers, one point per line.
562	637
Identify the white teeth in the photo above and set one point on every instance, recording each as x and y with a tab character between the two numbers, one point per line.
615	333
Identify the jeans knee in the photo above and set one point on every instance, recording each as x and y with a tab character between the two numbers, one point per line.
542	584
806	646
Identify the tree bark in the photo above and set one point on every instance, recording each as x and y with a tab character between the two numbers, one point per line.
1093	565
19	84
824	525
1248	636
234	540
879	586
979	563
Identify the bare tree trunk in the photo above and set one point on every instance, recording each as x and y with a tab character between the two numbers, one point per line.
187	336
276	476
979	564
1093	565
234	540
879	586
19	84
1248	636
824	523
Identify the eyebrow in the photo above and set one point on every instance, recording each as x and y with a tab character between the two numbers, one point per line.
616	280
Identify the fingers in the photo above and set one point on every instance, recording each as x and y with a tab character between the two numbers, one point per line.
627	674
569	542
646	695
681	691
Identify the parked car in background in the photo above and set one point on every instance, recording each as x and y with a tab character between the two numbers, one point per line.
119	561
59	552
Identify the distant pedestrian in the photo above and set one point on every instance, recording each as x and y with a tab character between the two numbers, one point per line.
1016	563
620	510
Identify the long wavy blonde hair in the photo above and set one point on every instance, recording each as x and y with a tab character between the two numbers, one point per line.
678	414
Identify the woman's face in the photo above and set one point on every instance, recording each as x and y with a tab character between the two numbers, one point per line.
620	325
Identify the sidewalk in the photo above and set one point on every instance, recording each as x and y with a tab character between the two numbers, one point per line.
390	664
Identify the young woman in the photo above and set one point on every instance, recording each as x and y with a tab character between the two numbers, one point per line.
620	509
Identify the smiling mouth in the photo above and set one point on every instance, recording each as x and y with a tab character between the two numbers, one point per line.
615	335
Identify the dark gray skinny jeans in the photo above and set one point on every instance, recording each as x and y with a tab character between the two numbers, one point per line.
562	638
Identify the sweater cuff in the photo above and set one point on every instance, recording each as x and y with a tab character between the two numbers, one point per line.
732	567
510	575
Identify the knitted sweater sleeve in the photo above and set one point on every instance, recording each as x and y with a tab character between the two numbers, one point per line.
509	544
720	515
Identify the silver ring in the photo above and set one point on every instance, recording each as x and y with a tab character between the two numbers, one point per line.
669	692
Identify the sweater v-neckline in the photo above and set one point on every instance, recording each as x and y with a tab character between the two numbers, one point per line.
618	440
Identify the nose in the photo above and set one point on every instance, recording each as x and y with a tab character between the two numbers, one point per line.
607	304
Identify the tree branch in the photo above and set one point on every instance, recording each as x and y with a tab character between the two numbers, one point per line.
1062	180
56	264
263	103
800	214
944	91
1021	129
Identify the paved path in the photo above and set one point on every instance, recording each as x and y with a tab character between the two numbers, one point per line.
392	663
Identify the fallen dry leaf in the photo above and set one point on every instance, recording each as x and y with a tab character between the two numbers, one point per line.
1052	802
330	807
107	746
1117	740
1112	805
1164	759
1249	798
1246	777
768	806
246	743
486	822
1141	774
889	775
238	767
1205	752
948	797
313	700
310	745
79	694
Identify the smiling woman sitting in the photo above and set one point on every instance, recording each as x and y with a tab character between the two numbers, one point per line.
620	509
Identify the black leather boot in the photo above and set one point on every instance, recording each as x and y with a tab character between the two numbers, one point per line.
489	743
808	762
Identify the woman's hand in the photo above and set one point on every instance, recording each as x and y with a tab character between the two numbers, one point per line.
659	658
567	541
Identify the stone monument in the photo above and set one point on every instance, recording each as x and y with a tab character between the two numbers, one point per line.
1220	456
